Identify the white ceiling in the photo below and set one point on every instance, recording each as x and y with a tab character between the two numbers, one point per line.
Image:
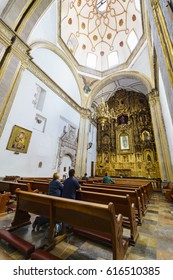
87	30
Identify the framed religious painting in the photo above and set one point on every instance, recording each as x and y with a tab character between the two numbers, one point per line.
124	142
19	139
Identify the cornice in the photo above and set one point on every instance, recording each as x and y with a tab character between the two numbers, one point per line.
6	34
34	69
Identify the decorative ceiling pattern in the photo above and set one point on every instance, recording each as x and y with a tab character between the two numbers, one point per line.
101	34
129	84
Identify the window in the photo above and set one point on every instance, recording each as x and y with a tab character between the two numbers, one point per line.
132	40
138	5
113	59
102	5
91	60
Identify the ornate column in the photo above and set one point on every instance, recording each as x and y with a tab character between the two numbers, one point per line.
81	158
163	152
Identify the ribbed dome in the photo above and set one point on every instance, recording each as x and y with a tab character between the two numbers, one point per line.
100	34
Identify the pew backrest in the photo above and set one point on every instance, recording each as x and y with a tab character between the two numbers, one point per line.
132	193
122	205
88	216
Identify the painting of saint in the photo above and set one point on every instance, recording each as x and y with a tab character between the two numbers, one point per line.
124	142
19	139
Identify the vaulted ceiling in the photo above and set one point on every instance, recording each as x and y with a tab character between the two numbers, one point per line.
100	34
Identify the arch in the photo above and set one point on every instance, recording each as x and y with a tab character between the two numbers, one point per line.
124	74
50	46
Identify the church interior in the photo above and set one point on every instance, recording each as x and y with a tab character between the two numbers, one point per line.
87	85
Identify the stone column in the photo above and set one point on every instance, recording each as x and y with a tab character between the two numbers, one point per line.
81	158
162	147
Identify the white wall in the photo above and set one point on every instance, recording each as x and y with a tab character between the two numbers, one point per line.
57	69
141	62
43	146
166	115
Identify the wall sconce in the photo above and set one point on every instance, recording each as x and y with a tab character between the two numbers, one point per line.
38	120
89	145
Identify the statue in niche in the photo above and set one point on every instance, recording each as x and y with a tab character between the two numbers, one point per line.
148	157
105	140
106	158
123	119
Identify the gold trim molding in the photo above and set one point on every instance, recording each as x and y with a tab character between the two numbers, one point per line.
164	37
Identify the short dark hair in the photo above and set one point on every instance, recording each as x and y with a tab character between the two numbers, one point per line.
71	172
85	174
106	174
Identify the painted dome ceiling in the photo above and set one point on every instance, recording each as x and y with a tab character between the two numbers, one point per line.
99	34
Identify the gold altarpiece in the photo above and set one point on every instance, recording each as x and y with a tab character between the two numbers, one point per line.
125	139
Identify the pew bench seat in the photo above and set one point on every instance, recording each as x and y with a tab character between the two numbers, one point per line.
43	255
20	244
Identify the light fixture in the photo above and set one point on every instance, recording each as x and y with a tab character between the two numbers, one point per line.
89	145
102	113
38	120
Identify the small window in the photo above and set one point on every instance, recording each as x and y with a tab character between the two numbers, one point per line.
132	40
91	60
102	6
113	59
138	5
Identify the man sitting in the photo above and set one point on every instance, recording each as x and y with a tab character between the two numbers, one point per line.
85	177
107	179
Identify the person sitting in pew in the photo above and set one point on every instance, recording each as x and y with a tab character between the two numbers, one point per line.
107	179
71	186
55	186
85	177
55	189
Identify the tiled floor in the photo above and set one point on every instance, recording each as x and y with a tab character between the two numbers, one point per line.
155	239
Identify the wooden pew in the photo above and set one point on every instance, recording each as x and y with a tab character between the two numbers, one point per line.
42	187
140	191
168	191
35	179
147	184
79	214
10	186
122	205
4	199
132	193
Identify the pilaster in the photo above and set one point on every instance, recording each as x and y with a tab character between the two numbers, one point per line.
81	158
163	152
